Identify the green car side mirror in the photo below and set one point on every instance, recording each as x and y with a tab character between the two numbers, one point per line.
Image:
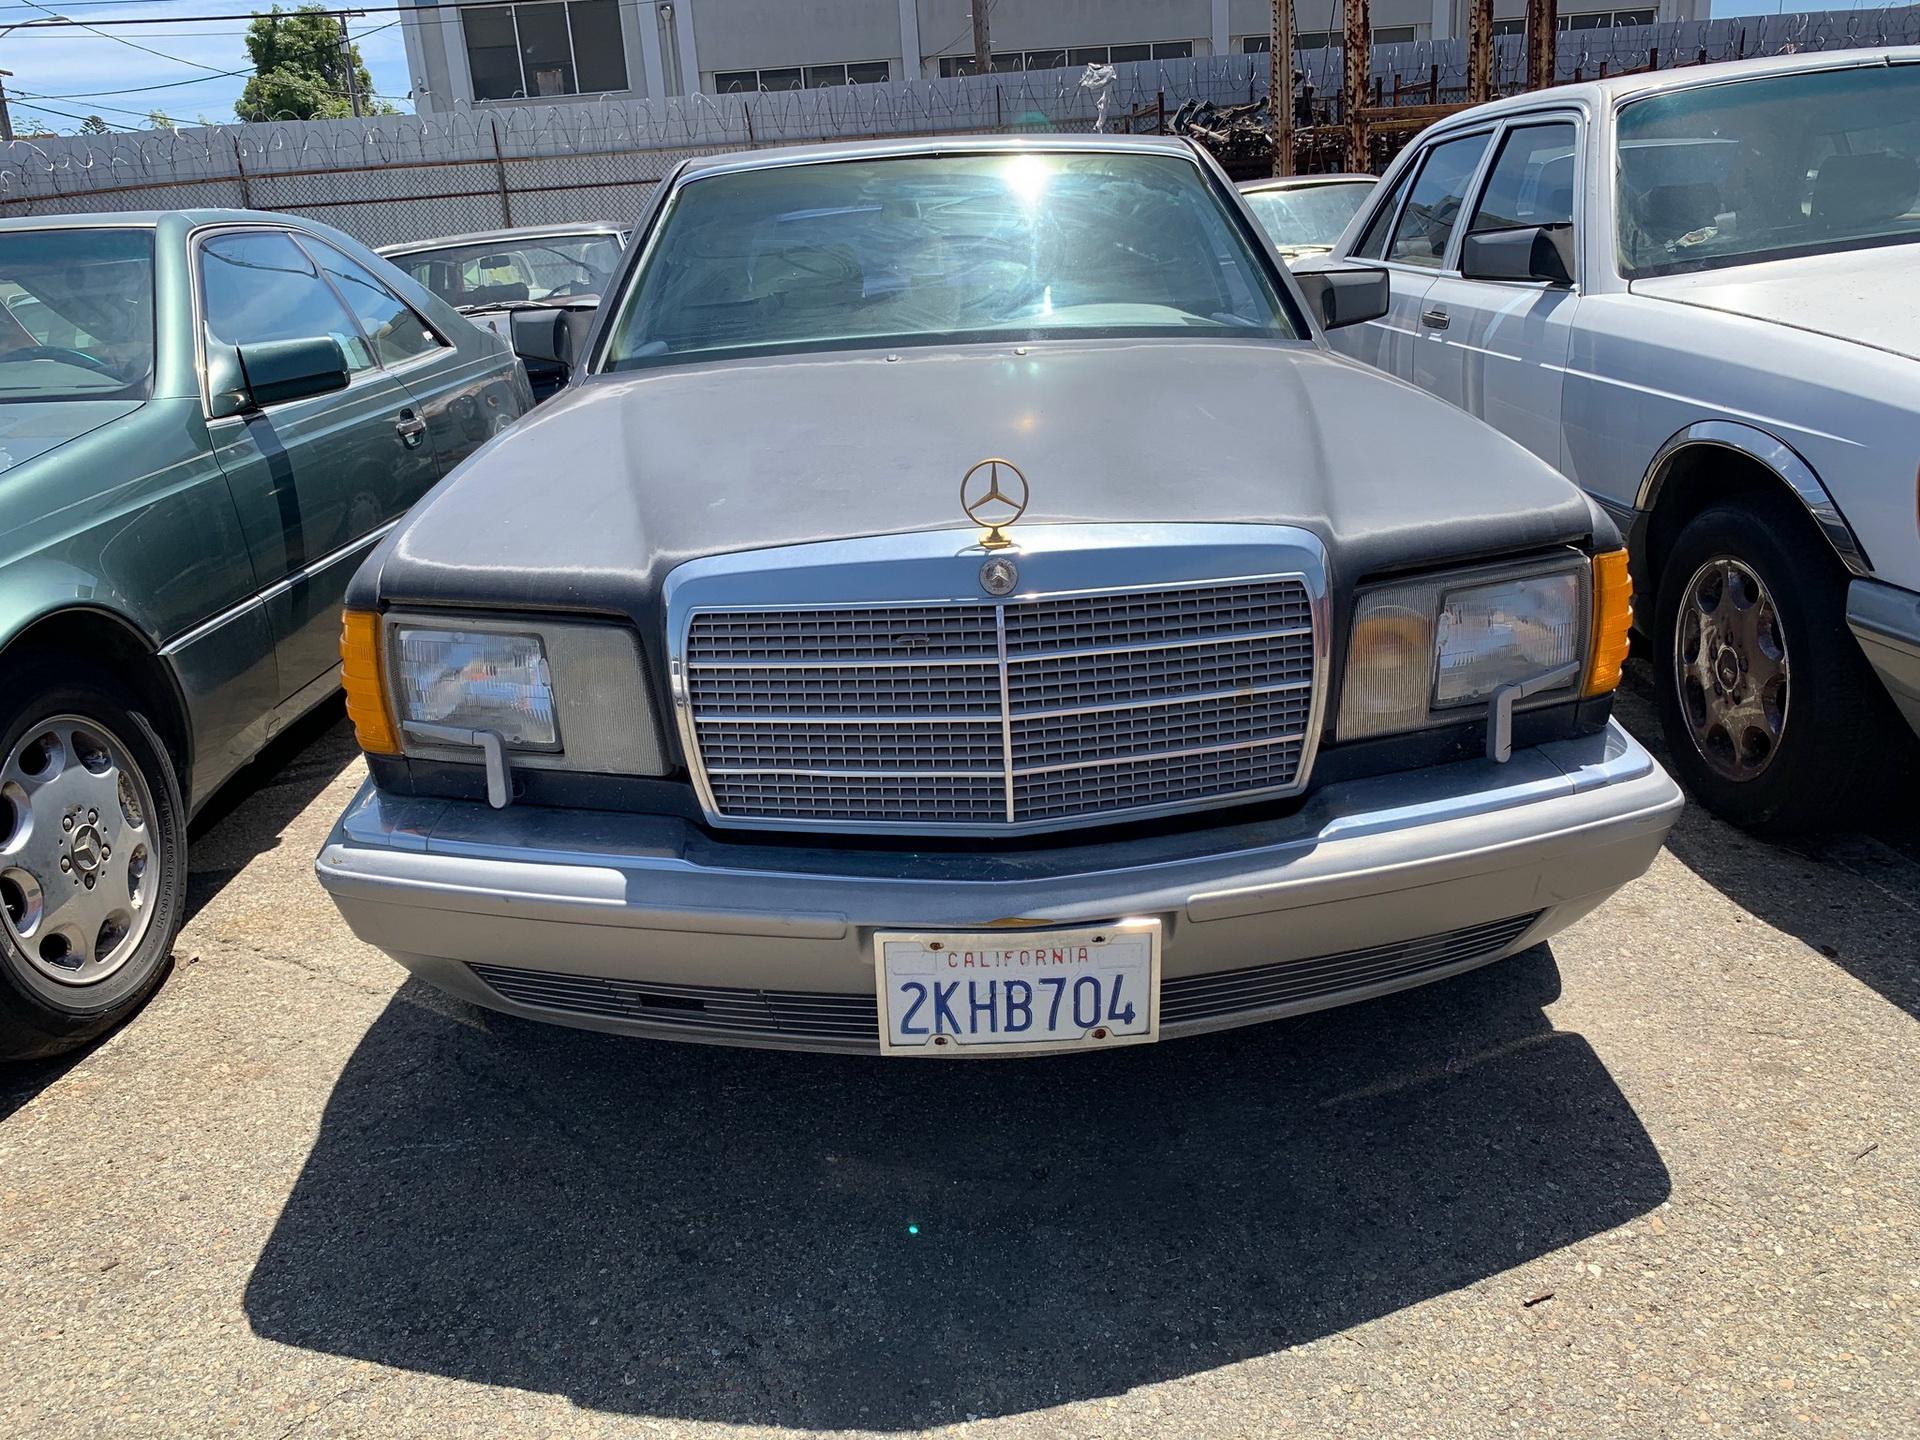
248	377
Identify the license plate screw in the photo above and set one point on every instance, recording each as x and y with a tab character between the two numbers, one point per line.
1099	1032
935	945
939	1039
1099	939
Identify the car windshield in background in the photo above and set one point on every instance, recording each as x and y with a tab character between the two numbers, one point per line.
925	250
78	314
1309	215
507	272
1767	168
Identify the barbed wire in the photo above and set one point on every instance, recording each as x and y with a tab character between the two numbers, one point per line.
49	173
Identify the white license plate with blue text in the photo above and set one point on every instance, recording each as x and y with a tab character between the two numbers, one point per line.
1002	992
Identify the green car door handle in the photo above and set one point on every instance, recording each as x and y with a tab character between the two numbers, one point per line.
411	427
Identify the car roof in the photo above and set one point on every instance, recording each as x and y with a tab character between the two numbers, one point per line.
1605	93
1301	182
156	220
500	237
780	157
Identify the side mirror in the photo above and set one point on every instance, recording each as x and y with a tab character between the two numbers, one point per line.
550	343
542	337
1529	252
1345	294
247	377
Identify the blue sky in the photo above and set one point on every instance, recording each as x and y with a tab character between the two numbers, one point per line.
66	70
70	70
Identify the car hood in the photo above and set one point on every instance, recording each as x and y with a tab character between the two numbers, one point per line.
30	428
1870	297
590	501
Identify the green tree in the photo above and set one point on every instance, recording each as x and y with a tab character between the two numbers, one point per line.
300	70
159	120
94	125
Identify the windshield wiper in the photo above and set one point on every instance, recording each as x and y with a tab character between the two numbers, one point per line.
563	302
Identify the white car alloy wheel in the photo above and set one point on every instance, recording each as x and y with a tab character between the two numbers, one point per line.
1730	664
79	863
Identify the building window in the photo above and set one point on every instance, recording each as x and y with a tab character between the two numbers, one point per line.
1007	62
557	47
1591	20
1325	39
802	77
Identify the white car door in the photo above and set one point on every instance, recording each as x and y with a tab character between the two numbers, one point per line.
1498	348
1408	232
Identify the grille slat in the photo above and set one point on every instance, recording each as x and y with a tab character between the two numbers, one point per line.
1036	710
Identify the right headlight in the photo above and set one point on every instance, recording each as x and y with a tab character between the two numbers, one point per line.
560	695
1421	652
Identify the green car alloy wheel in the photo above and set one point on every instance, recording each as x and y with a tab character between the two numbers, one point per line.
92	845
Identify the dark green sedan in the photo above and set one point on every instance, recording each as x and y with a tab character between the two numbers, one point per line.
207	419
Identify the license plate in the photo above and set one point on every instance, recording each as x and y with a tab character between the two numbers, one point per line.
1002	992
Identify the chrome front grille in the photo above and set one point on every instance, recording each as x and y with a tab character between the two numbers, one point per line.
1040	710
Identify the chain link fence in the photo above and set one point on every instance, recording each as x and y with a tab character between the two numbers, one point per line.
399	178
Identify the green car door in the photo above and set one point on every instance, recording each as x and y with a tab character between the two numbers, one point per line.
316	481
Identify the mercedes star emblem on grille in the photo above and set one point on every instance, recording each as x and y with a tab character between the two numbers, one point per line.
998	576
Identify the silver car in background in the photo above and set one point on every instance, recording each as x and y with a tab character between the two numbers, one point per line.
537	287
1304	214
1697	293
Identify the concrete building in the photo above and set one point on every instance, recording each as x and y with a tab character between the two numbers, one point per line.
554	50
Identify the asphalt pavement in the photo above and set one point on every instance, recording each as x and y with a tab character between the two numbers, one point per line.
1659	1177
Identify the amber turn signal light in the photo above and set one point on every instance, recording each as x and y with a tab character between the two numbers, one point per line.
1612	620
361	675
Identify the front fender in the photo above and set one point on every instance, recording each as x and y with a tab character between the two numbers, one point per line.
1771	453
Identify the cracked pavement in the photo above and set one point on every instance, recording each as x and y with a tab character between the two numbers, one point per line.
1656	1178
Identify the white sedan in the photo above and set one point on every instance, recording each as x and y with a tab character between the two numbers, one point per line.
1698	294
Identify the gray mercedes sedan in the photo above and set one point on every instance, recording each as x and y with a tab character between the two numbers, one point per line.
963	608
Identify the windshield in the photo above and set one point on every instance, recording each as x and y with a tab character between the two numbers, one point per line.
1309	215
78	308
930	249
1771	167
530	268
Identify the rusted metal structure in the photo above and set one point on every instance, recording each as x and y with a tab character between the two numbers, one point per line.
1480	52
1359	71
1280	87
1543	27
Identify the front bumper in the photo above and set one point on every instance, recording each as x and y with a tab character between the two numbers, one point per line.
651	925
1886	621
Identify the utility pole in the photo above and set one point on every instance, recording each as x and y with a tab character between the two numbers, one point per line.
353	78
1280	87
6	119
982	42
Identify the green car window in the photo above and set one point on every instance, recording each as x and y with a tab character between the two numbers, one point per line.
258	285
397	331
76	314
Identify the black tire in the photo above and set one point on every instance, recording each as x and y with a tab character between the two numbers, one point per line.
1831	739
39	1016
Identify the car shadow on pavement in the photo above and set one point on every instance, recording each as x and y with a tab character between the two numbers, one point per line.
791	1240
248	814
1853	895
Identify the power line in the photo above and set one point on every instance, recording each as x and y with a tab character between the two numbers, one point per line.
424	13
118	39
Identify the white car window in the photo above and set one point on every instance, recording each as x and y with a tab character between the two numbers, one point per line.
1531	182
1433	208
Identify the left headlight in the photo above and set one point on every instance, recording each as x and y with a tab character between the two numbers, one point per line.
1421	650
559	694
